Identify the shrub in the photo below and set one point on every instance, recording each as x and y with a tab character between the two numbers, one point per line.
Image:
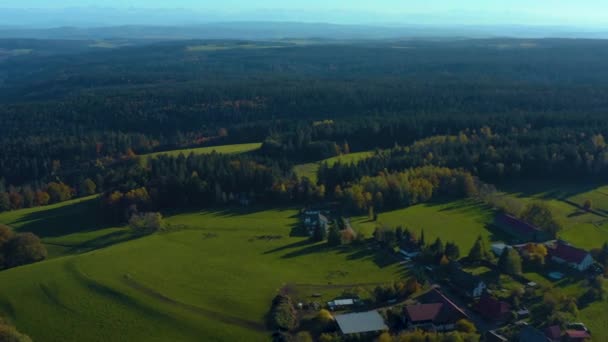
22	249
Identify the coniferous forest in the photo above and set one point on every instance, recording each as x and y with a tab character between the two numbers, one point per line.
496	108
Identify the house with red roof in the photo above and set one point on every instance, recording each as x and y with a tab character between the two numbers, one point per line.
577	336
434	312
564	253
493	309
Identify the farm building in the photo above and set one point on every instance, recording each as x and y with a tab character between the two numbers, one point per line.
468	284
493	309
361	323
520	230
338	304
435	312
564	253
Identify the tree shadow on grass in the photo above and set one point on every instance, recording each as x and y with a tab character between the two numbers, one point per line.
100	242
232	210
83	216
298	244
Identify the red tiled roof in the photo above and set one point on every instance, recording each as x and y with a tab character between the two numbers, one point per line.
493	308
423	312
437	306
577	334
554	332
569	253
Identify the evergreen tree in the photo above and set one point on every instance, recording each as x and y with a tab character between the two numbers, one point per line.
334	238
399	234
477	252
510	262
421	241
319	234
452	251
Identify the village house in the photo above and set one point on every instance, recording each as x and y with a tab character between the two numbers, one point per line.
314	219
466	283
362	323
521	231
531	334
493	309
577	336
563	253
434	312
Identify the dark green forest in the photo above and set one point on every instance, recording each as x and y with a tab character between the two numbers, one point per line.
74	120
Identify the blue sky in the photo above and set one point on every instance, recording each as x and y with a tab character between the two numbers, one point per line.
576	12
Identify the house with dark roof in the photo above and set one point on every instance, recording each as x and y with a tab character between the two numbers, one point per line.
433	312
493	336
531	334
521	231
361	323
493	309
564	253
466	283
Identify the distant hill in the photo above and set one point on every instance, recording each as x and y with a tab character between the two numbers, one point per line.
284	30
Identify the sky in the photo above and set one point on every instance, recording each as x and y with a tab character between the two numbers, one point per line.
524	12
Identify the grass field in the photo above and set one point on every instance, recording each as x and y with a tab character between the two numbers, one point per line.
211	280
310	169
227	149
583	229
459	221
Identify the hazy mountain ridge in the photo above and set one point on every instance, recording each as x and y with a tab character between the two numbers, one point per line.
284	30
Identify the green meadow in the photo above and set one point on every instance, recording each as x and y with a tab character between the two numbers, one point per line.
459	221
310	169
227	149
213	275
211	278
585	229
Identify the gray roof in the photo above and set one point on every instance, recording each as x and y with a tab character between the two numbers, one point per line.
361	322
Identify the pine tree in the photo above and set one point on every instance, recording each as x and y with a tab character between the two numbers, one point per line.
421	241
319	234
334	238
477	251
510	262
452	251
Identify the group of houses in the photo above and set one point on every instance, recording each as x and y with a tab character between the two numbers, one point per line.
559	251
433	311
436	311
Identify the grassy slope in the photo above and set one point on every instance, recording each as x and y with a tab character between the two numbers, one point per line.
68	227
213	280
310	169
